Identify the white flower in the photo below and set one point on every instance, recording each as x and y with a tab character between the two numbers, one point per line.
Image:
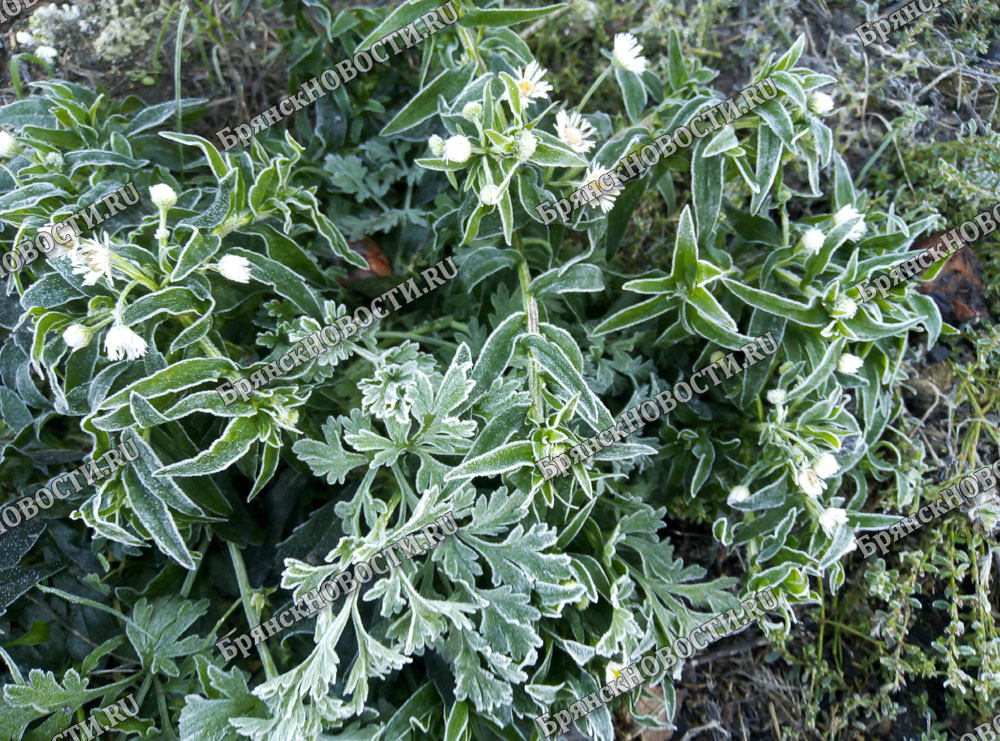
846	214
809	481
825	466
122	342
605	196
573	130
8	144
46	53
831	519
844	308
820	103
436	143
24	38
162	195
777	397
849	364
472	111
61	247
612	671
530	83
525	145
54	159
490	195
92	259
457	149
813	240
235	267
738	494
627	53
76	336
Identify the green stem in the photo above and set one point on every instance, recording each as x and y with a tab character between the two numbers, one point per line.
189	579
161	703
531	309
593	88
414	336
253	617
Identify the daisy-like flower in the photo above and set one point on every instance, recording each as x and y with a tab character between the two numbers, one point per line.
846	214
8	144
809	481
235	267
738	494
122	342
76	336
627	53
612	671
92	259
530	83
457	149
490	195
844	308
820	103
436	143
849	364
831	519
46	53
606	197
813	239
23	38
826	466
162	195
574	131
63	243
525	145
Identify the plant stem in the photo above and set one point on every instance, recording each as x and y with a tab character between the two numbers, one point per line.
253	617
531	309
593	88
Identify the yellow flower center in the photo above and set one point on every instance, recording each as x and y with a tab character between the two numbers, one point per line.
573	137
526	86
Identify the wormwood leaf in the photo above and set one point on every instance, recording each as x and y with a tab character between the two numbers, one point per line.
46	695
520	562
328	459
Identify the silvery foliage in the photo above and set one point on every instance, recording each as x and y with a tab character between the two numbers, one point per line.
546	583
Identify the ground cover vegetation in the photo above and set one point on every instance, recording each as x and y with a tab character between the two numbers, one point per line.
118	334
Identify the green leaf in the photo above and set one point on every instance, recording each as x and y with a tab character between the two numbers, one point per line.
496	354
239	435
179	376
633	92
504	17
424	104
633	315
196	252
215	160
328	459
579	278
556	365
208	719
405	14
685	261
506	458
551	152
808	314
156	519
285	282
